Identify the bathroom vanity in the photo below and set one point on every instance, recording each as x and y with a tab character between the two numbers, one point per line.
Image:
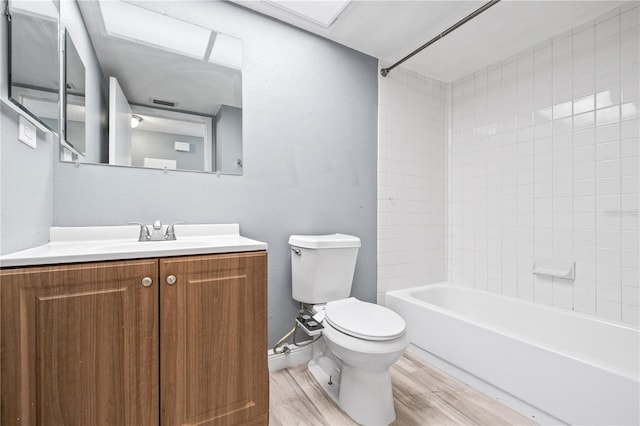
110	331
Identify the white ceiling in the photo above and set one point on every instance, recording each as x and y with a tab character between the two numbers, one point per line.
390	29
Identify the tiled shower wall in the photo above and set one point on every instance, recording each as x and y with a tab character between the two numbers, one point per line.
411	181
544	165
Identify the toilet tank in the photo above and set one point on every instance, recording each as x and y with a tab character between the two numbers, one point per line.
322	266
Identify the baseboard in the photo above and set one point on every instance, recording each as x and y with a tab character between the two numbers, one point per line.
297	356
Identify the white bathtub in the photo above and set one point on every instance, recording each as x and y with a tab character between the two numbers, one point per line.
574	368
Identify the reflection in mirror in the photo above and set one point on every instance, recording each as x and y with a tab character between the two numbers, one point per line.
74	95
172	140
175	89
33	59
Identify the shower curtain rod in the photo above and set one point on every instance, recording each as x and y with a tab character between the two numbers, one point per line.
385	71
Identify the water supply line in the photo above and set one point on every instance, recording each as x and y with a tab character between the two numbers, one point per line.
285	346
304	342
385	71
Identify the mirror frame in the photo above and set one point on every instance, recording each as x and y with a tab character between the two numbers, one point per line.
5	66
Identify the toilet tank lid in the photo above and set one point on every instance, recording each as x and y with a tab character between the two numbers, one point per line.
324	241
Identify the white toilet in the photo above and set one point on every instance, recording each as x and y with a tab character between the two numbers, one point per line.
359	341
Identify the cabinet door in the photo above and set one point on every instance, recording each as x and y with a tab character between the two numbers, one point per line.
213	358
79	344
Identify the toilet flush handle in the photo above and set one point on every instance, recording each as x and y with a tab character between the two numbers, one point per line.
296	251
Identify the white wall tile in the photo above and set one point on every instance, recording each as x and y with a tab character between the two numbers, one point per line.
412	172
630	277
534	156
609	310
630	314
608	133
630	91
566	174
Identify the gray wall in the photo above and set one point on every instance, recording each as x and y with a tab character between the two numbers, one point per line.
26	186
310	149
26	175
145	143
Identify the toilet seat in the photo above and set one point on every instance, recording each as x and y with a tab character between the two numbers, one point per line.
364	320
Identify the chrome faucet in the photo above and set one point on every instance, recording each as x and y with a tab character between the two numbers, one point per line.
156	233
144	231
170	234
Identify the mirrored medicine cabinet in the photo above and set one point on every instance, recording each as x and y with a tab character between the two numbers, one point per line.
163	95
32	80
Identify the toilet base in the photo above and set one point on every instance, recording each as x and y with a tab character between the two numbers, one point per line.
365	396
332	390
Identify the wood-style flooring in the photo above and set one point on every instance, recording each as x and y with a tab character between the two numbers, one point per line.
423	395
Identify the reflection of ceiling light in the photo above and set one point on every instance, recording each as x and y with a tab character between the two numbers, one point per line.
135	23
39	9
135	121
123	20
319	12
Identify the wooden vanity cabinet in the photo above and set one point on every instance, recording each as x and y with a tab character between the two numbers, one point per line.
89	344
79	344
213	348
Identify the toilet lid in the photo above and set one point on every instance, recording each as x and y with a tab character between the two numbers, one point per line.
364	320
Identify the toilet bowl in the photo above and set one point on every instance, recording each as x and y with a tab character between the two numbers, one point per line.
366	339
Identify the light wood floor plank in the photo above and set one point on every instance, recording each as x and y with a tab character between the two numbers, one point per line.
408	363
417	405
288	404
423	395
437	380
482	410
331	412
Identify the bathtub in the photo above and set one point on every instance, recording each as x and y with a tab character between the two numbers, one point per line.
570	367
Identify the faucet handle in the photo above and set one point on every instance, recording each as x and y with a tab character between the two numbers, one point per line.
144	231
170	233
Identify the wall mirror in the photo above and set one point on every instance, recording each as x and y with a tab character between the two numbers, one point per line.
175	90
34	77
74	95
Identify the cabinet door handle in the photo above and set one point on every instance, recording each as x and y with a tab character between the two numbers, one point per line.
171	279
147	281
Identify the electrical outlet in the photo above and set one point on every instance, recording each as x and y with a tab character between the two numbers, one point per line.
27	132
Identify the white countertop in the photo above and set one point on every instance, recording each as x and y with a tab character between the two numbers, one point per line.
97	243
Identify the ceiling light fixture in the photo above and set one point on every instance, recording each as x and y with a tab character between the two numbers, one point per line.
135	121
